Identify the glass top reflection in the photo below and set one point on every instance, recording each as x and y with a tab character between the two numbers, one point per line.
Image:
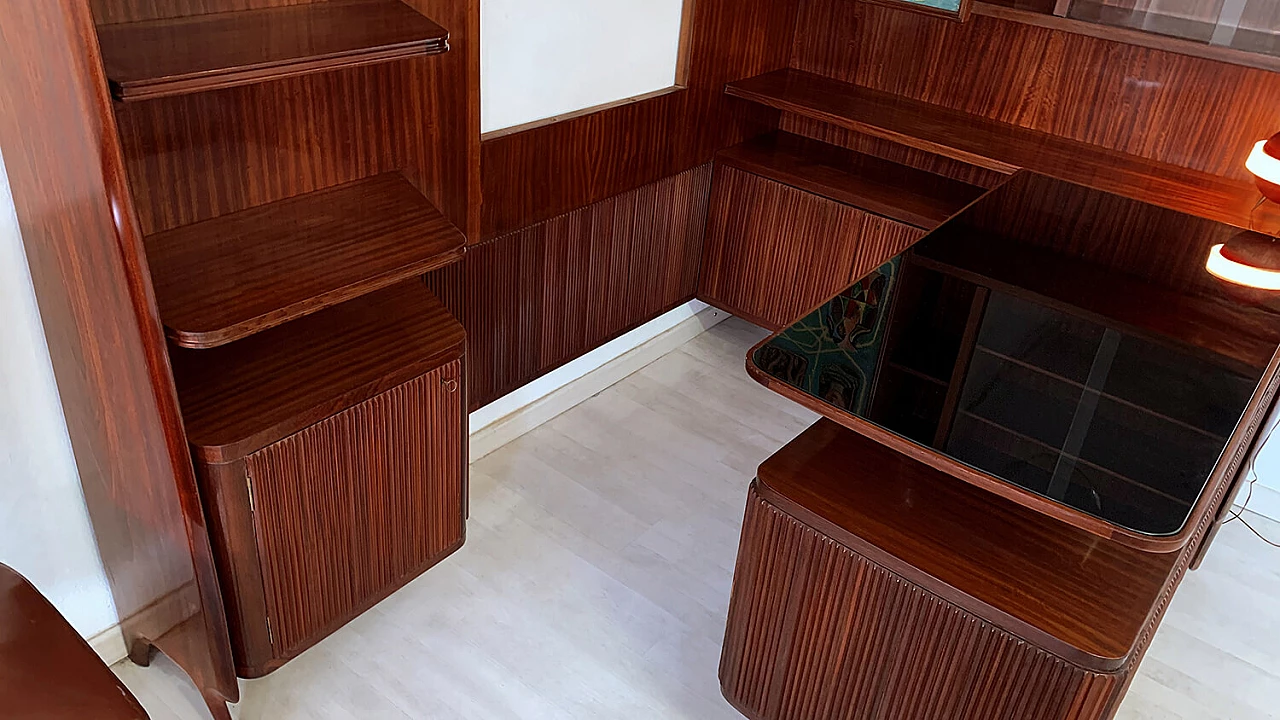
1018	348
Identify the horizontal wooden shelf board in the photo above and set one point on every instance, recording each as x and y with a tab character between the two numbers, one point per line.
224	279
241	397
999	146
896	191
1084	598
160	58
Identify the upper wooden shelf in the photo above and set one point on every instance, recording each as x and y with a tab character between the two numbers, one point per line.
227	278
243	397
896	191
193	54
999	146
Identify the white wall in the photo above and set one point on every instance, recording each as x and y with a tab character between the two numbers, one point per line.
44	524
541	58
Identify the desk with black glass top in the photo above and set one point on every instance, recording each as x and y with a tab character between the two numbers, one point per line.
1035	416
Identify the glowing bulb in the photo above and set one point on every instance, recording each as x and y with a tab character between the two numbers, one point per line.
1223	267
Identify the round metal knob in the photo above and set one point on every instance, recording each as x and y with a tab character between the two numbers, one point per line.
450	385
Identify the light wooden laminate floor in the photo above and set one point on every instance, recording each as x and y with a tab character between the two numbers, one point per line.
596	575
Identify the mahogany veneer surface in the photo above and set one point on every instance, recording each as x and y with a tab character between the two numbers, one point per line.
175	56
239	398
1081	597
898	192
47	671
227	278
998	146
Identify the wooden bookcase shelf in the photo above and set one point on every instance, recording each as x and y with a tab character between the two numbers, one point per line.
898	192
224	279
193	54
999	146
245	396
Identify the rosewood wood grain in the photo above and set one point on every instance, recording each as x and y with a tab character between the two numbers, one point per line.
105	341
999	146
553	169
897	192
176	56
534	300
1170	108
106	12
196	157
773	251
817	630
47	671
350	509
227	278
239	398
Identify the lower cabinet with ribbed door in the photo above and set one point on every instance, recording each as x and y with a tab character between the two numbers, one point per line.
330	488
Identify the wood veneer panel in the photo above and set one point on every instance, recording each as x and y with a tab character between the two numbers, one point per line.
227	278
239	398
818	630
897	192
106	12
195	157
175	56
90	276
773	252
353	507
999	146
534	300
537	174
1064	589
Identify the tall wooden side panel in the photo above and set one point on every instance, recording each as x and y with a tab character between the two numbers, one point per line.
98	308
817	631
774	252
317	528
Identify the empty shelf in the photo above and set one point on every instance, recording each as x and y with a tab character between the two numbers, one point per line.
227	278
898	192
193	54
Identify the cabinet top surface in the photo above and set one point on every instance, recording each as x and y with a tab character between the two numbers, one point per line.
1051	338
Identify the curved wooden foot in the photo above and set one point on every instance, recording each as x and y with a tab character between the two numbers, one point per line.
141	652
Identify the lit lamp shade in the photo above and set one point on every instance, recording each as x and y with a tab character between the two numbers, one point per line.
1264	163
1251	258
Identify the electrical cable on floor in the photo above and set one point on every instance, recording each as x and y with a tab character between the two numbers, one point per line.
1237	515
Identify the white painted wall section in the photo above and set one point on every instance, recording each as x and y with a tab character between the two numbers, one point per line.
543	58
44	525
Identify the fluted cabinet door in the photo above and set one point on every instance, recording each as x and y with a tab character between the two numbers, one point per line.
774	252
352	508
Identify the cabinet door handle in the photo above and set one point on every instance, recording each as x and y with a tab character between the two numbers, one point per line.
450	385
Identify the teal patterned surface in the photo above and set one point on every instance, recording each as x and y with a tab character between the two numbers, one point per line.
832	353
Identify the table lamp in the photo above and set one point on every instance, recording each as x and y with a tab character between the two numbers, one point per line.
1252	258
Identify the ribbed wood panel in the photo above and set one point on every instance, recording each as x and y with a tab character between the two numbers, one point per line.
350	509
817	631
536	299
774	252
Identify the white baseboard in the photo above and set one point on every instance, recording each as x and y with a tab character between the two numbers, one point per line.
516	413
109	644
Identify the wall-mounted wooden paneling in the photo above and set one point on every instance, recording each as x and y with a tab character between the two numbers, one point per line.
200	156
536	174
533	300
98	309
1178	109
774	252
816	631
